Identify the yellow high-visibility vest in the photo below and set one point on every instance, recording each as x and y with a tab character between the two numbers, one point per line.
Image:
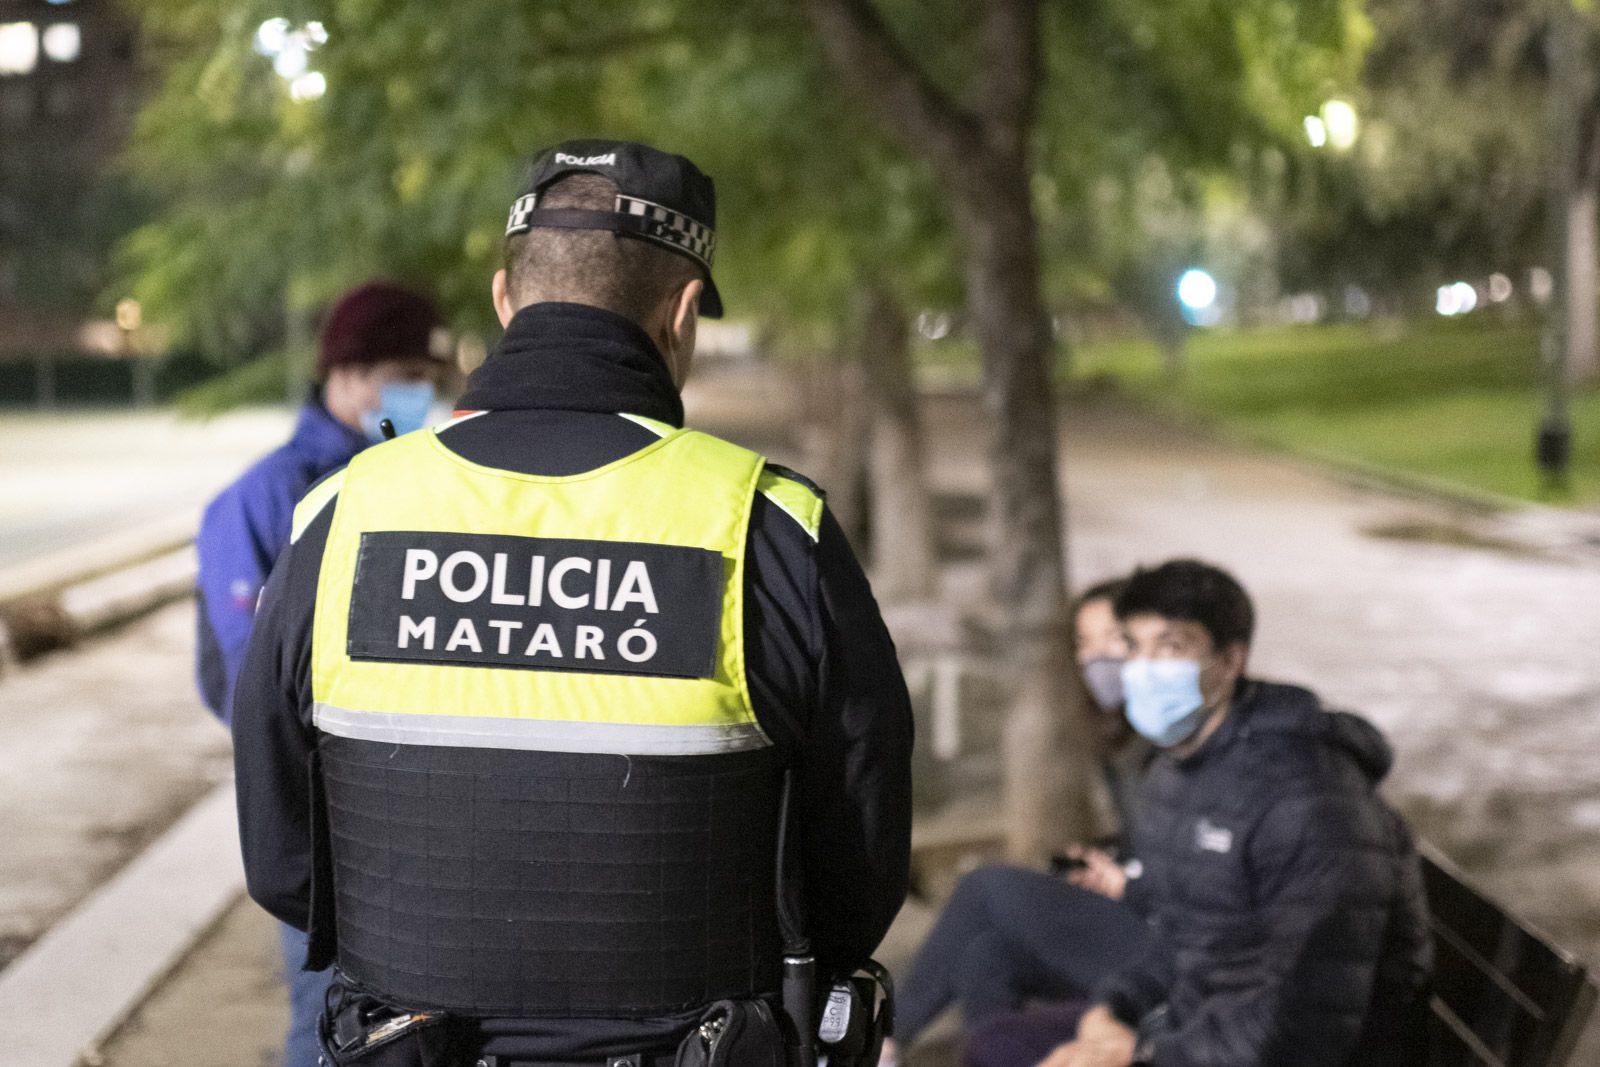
463	605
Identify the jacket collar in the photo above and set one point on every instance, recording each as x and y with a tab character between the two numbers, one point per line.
323	439
1245	696
572	357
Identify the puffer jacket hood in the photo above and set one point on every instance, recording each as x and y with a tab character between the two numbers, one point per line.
1272	708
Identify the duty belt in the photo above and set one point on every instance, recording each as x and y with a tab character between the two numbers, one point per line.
636	1059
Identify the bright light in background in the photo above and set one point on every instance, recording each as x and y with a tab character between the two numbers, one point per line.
271	36
1457	298
290	51
1316	131
934	325
291	62
63	42
1197	290
1499	288
1541	285
308	86
19	47
1340	124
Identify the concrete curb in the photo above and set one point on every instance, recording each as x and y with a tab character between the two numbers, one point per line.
75	985
52	602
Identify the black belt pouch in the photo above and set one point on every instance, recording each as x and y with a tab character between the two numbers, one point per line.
734	1033
359	1030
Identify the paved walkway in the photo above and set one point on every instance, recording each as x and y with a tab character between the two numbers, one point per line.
74	476
1473	645
100	750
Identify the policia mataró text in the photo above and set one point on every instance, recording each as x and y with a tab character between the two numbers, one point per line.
573	736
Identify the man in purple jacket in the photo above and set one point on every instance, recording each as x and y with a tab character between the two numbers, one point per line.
375	362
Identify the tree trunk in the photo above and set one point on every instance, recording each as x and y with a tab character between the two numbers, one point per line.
903	556
980	150
837	442
1046	783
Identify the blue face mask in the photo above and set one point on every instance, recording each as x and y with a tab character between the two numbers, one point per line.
1163	699
406	404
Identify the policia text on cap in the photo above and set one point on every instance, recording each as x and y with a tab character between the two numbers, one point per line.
514	730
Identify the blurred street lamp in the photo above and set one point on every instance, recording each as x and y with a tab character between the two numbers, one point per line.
1335	126
62	41
19	47
1316	131
290	47
130	317
1197	293
1339	116
1457	298
1197	289
308	86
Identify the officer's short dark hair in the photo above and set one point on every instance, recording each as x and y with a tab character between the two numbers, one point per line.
1191	591
596	267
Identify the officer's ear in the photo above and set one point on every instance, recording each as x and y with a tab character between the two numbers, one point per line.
502	298
683	317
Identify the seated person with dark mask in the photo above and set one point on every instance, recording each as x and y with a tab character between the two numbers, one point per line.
1288	926
1010	935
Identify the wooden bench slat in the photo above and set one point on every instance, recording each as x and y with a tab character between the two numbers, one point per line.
1504	996
1453	1044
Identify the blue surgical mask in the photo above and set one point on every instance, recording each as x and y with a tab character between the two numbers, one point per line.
1103	677
406	404
1163	699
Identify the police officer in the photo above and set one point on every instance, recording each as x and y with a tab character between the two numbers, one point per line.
374	361
526	688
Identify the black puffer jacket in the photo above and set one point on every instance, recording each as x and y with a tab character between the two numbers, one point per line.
1288	905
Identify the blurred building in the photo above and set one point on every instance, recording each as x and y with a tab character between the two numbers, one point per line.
69	87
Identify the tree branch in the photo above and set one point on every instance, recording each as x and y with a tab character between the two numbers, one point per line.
1008	88
868	57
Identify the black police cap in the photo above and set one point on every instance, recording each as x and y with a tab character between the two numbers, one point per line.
661	198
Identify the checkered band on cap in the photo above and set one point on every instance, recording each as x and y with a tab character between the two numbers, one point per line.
518	222
673	228
660	224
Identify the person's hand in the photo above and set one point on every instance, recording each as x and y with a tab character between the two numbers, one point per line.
1099	874
1081	1053
1100	1026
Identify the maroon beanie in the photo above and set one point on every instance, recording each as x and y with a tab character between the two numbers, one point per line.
375	322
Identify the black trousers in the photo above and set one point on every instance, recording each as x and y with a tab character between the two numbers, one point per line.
1009	936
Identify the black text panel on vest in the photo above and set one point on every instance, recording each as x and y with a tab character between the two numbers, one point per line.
537	603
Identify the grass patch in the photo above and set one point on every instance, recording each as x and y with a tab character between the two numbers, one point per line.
1454	401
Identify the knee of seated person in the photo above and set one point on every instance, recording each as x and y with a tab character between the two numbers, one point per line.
984	882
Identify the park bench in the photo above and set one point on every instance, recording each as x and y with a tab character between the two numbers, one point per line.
1503	995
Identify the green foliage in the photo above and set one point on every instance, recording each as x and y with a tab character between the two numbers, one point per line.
261	381
406	167
1148	143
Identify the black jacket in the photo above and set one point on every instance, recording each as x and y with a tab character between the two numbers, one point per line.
1290	922
821	667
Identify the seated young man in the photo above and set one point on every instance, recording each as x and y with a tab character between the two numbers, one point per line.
1010	935
1288	921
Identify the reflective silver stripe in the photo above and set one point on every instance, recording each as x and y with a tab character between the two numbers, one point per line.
537	735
